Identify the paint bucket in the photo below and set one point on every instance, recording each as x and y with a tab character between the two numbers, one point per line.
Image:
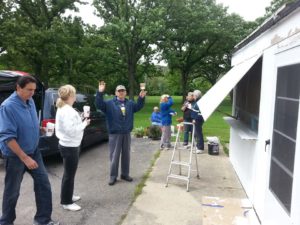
213	148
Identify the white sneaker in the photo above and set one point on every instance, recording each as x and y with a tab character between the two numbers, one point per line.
72	207
76	198
199	151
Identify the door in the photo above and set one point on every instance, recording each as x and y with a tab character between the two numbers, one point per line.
282	191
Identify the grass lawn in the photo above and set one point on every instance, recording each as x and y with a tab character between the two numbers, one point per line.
214	126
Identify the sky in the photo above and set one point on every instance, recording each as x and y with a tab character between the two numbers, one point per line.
248	9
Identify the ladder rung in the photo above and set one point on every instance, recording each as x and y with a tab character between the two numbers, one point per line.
181	148
180	163
180	177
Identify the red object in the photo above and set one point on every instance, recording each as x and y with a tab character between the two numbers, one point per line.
45	121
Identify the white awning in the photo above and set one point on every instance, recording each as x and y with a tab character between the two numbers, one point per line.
215	95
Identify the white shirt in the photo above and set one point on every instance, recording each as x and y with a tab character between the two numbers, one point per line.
69	126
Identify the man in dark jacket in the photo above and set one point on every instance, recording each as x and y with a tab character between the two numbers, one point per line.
119	117
198	121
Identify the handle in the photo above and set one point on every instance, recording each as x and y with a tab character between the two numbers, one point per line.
267	142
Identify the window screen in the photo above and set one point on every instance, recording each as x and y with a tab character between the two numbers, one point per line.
284	134
248	96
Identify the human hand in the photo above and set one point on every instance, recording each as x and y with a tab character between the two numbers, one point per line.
30	163
87	121
102	86
43	130
143	93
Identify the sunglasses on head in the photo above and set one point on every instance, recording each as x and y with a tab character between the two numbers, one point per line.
121	90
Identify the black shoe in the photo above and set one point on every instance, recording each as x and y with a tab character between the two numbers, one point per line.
127	178
112	181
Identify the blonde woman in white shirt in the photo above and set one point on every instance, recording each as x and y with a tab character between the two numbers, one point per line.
69	130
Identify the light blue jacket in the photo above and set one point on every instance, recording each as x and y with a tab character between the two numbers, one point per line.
19	121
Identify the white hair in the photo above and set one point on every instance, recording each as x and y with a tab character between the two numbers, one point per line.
197	94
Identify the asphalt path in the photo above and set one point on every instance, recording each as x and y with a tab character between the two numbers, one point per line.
101	204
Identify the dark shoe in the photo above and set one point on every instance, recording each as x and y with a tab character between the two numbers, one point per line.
112	181
51	222
127	178
185	143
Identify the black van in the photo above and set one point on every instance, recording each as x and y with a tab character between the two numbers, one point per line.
45	104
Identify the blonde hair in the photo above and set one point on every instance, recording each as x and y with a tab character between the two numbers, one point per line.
155	108
163	97
64	93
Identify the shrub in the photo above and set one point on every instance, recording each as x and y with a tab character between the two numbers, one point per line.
139	131
154	132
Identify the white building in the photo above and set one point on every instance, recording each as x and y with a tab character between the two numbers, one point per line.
265	133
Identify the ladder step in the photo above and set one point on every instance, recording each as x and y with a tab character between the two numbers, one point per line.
180	163
180	177
183	148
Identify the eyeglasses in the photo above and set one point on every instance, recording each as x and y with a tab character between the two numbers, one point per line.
121	90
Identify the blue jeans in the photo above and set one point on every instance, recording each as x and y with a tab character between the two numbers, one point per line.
15	170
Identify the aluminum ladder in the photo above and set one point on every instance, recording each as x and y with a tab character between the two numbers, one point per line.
179	163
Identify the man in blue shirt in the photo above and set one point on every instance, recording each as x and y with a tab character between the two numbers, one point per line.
119	117
19	136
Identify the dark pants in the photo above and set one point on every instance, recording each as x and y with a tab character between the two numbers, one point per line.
70	157
199	134
15	170
188	129
119	144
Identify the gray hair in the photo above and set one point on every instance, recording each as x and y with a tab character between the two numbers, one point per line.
197	94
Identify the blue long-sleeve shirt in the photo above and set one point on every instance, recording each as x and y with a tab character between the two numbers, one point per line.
19	121
165	110
156	118
117	122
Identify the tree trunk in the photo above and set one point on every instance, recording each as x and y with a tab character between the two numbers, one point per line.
184	77
131	77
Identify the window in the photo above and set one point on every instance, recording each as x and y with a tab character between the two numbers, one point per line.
248	97
284	134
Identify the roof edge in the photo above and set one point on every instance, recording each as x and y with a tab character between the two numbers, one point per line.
280	14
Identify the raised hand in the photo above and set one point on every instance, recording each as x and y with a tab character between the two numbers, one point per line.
143	94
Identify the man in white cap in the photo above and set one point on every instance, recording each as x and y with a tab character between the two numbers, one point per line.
198	121
119	117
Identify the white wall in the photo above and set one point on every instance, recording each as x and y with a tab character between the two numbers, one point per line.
249	158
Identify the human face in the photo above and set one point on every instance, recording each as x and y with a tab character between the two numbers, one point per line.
70	101
190	97
121	94
27	92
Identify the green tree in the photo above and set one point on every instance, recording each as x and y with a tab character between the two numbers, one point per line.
199	38
28	32
134	26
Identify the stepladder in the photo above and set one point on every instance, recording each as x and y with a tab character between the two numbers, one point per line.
182	157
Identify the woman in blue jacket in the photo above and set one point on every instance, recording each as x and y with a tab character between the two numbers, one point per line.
166	112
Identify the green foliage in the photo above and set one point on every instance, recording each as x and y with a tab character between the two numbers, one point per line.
154	132
194	45
139	131
134	26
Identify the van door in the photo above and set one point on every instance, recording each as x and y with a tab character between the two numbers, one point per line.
282	201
